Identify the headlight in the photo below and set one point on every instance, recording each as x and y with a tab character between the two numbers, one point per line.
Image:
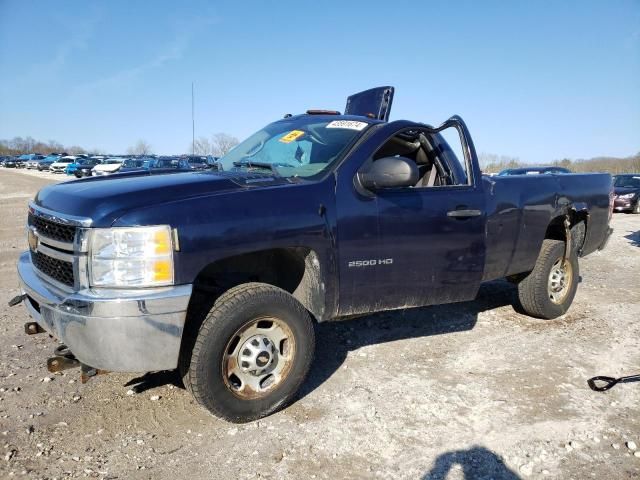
626	195
131	257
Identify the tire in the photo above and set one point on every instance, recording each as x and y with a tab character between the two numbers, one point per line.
636	209
548	291
217	370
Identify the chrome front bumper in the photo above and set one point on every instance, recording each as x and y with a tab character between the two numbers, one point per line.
116	330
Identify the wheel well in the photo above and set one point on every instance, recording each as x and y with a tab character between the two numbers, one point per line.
295	270
579	220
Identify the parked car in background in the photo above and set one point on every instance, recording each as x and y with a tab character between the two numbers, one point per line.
60	165
31	161
134	164
72	167
84	166
10	162
22	160
626	189
177	163
47	161
108	166
198	162
534	171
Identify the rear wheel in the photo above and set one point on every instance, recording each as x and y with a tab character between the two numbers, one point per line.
548	291
251	354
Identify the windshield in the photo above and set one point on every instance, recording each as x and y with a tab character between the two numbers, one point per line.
113	160
51	158
297	147
628	181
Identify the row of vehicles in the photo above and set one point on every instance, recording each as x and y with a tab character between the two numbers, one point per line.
97	165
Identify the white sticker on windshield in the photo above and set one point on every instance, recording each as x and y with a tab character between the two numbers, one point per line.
349	124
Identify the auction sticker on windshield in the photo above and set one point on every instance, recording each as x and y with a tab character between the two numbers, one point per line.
291	136
349	124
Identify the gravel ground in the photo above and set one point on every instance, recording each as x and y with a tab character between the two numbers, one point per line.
470	390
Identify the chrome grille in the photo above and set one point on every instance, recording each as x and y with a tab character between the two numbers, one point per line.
53	230
58	270
58	246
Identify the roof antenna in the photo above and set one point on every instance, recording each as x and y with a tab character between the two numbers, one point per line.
193	125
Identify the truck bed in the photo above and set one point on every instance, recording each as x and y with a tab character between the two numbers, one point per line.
520	208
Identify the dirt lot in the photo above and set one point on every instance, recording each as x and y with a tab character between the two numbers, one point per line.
471	390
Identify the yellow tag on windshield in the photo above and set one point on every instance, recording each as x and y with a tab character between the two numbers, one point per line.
291	136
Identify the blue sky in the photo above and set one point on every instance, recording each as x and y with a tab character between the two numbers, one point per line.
537	80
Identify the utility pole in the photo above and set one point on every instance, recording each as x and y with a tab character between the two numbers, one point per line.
193	125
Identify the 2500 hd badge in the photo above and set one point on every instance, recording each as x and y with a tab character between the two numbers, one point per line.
370	263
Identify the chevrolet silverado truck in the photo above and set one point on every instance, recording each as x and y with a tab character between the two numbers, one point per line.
316	217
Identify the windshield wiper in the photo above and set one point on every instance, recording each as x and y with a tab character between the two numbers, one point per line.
263	165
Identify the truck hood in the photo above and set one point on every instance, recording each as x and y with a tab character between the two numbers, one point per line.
104	199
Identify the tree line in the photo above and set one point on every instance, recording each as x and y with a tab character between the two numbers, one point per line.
492	163
20	146
218	145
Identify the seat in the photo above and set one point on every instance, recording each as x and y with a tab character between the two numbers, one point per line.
415	150
397	146
427	169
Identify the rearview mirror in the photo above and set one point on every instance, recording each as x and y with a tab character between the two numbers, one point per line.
390	172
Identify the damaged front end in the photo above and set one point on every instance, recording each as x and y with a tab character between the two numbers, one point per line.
105	329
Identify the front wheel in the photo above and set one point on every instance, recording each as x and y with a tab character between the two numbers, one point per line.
251	354
548	291
636	209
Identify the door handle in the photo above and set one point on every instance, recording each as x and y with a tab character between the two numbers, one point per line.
463	213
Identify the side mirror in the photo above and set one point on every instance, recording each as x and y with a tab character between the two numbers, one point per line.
390	172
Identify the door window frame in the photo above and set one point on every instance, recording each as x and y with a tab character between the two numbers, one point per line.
453	122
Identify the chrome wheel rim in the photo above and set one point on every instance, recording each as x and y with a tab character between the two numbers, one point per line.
258	357
560	278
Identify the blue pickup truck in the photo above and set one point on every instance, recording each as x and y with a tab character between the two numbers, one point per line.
316	217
